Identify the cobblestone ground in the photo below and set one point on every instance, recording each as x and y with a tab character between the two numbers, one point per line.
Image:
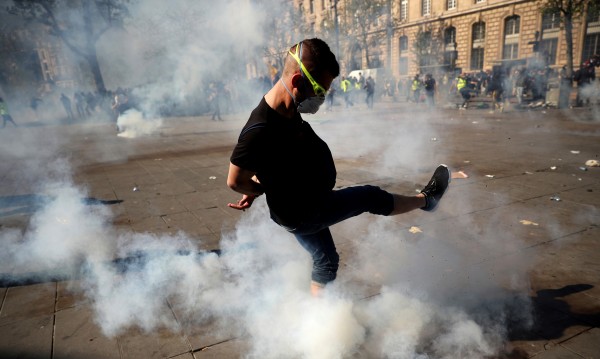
519	229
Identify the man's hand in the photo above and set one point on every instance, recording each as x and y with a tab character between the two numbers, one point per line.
243	203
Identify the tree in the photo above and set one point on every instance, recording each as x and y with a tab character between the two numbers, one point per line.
78	23
366	15
427	46
569	11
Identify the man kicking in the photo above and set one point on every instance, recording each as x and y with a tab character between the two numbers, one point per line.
280	155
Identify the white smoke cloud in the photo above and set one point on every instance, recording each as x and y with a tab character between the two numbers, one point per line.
132	124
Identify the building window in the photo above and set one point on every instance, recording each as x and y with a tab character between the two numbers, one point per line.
425	7
403	10
548	50
593	16
404	65
479	32
551	21
451	4
477	45
403	43
591	46
512	27
591	43
311	4
477	59
450	35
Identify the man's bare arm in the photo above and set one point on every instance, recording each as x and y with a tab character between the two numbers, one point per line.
243	181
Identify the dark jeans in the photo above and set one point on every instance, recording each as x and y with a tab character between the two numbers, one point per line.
314	234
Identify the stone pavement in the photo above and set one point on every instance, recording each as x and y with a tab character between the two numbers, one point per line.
175	180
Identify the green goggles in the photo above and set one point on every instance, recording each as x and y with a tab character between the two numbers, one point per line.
318	89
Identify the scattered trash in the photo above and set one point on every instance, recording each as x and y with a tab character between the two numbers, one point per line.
158	159
135	189
592	163
528	173
555	198
526	222
466	161
575	152
415	230
434	139
489	176
475	122
212	177
459	174
583	168
553	168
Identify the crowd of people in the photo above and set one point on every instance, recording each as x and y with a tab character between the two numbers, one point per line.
522	85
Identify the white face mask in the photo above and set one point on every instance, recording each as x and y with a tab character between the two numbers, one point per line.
308	105
311	104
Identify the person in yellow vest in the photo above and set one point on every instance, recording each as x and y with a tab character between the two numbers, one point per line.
346	86
462	87
416	88
6	117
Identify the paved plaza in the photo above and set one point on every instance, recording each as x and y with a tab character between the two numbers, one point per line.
523	221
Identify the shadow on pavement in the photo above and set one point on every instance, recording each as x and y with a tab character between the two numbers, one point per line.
30	203
552	315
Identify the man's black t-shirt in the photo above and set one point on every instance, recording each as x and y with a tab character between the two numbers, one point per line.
294	166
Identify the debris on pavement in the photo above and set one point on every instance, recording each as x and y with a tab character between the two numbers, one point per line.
459	174
415	230
212	177
555	198
592	163
583	168
490	176
527	222
136	188
553	168
575	152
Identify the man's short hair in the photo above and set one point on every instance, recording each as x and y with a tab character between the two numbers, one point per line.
317	58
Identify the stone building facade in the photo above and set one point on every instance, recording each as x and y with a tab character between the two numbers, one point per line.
471	35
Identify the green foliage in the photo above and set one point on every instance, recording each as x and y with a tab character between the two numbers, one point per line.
427	46
79	23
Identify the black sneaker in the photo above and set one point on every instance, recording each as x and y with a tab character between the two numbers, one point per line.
436	187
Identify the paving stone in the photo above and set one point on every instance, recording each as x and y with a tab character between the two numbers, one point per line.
78	336
235	348
587	344
27	338
159	344
28	301
557	352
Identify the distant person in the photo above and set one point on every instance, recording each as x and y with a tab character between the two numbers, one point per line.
120	103
34	105
279	154
214	99
79	98
66	102
416	88
6	117
370	88
346	86
462	87
430	87
520	80
329	98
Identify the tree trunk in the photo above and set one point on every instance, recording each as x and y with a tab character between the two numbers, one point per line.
569	39
566	85
92	60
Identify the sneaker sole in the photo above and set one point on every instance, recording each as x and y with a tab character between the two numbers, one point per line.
449	180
